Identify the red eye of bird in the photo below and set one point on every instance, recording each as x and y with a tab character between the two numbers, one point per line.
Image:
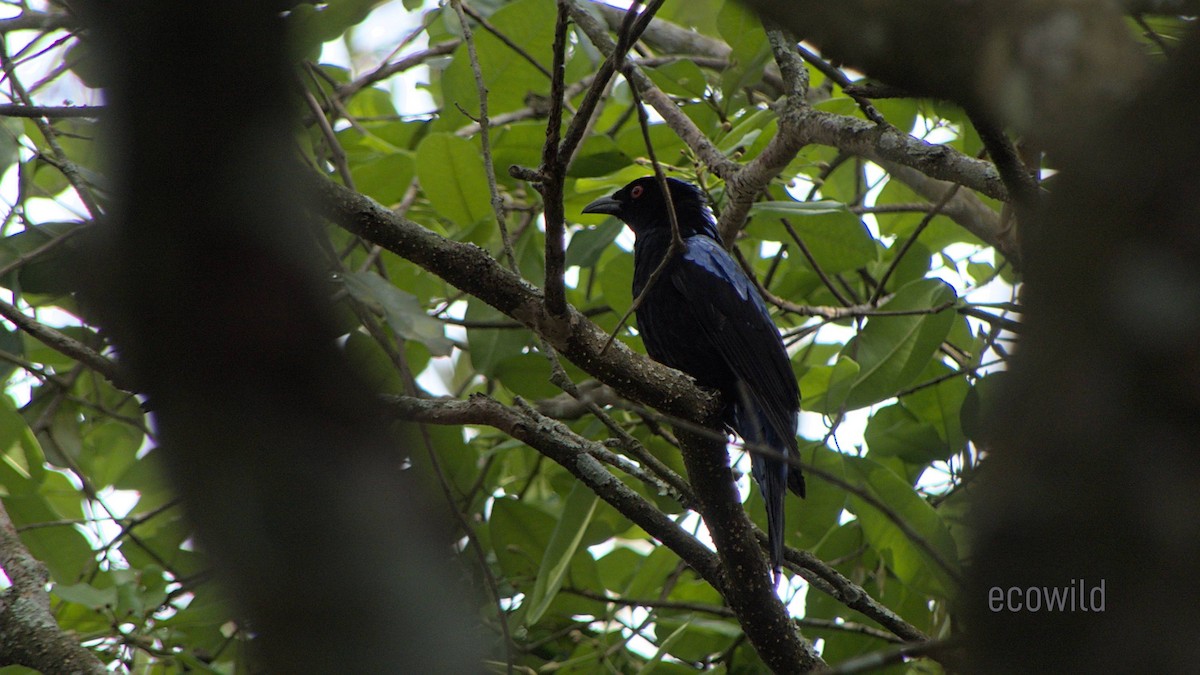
636	191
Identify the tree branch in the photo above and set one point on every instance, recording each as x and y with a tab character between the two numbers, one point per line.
1048	68
29	635
743	186
574	453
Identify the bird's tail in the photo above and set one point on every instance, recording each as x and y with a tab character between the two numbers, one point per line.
773	476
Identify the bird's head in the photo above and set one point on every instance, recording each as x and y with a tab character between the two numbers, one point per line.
641	205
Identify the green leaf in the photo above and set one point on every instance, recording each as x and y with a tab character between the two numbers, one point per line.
652	573
311	25
10	132
814	516
893	350
895	432
371	102
11	342
617	567
74	136
63	549
489	347
520	534
527	375
910	562
743	31
978	405
664	648
680	78
667	145
913	266
385	179
457	462
109	448
519	143
825	388
701	636
597	156
372	363
87	595
453	179
940	405
403	312
51	273
508	76
588	244
577	513
837	239
980	272
938	234
745	131
616	278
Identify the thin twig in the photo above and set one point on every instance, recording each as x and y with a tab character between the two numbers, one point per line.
676	241
812	261
508	42
336	152
725	612
844	82
50	111
386	70
875	661
912	239
485	137
65	344
632	27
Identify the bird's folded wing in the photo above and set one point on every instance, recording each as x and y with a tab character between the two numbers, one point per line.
735	319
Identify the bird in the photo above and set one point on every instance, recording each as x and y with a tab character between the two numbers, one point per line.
704	316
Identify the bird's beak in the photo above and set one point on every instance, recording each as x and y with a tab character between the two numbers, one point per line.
606	205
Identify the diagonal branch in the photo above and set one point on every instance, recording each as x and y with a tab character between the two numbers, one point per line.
573	452
65	344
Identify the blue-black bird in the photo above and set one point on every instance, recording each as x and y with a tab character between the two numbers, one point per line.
704	316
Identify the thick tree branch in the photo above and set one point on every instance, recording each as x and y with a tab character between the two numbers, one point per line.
29	635
868	140
752	595
1048	68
